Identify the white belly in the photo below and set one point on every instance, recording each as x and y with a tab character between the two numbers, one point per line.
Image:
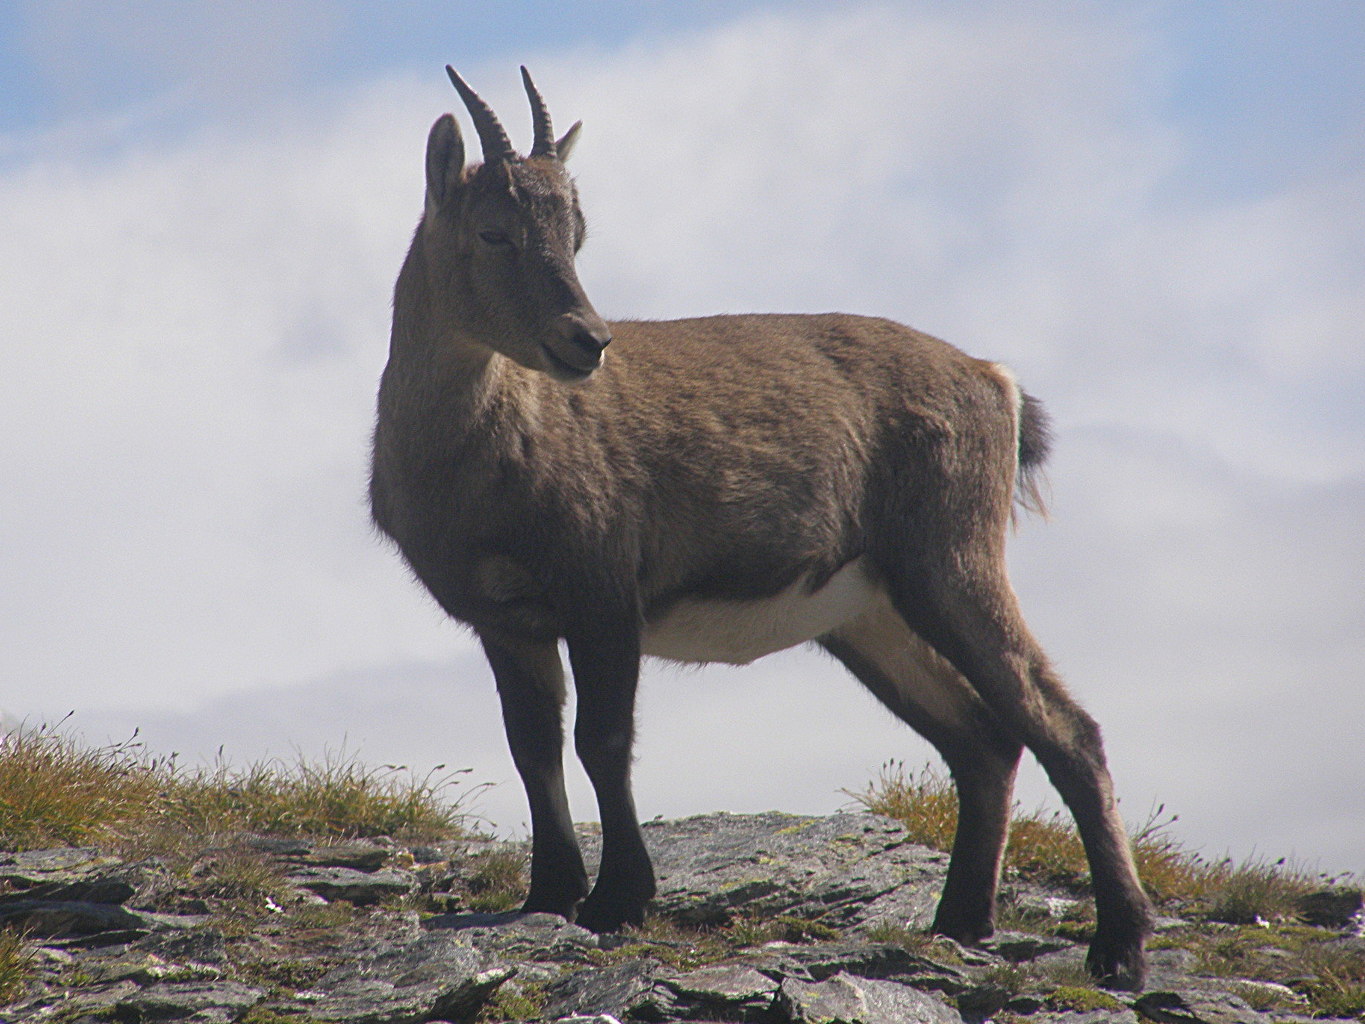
738	632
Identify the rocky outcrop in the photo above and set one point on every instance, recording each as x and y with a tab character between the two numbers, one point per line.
767	918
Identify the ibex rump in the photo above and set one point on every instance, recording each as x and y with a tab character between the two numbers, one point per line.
715	490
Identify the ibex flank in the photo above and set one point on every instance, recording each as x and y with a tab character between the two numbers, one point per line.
707	490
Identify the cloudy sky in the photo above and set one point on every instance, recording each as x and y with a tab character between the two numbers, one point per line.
1155	212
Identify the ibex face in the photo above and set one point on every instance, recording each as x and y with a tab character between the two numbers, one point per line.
502	238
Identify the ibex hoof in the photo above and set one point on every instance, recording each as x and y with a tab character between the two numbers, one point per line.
610	914
1118	965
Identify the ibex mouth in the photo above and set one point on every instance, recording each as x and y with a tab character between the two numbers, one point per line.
567	372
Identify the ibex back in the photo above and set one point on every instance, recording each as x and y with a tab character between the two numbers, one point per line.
713	490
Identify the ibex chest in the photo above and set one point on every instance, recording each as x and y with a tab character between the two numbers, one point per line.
489	555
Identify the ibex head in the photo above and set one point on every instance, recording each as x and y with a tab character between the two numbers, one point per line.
501	238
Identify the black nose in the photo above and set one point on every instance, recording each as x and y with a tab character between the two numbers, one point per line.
592	340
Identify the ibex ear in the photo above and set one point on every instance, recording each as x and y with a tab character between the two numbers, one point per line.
565	145
445	160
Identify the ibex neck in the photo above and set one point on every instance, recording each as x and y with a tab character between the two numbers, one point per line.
433	367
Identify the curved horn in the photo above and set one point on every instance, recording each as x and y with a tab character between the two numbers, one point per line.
540	117
497	148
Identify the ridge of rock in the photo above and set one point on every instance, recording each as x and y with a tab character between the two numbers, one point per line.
822	920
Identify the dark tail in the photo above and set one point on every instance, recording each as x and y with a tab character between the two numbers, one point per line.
1035	442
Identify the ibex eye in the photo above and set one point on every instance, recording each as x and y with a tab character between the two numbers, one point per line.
495	238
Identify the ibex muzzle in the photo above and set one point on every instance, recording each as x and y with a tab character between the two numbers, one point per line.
586	337
577	337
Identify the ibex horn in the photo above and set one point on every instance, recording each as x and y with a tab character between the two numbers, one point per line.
540	117
497	148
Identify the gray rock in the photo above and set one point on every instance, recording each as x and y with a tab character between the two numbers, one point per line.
1026	1004
430	853
92	888
1166	968
203	945
359	855
42	864
70	875
89	1002
146	968
1198	1008
724	992
847	999
842	870
380	1001
1335	907
624	989
217	1002
429	978
516	936
723	983
1020	947
882	961
984	1000
463	1001
74	920
359	887
106	963
278	846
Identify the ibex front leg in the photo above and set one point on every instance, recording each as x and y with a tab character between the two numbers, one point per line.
605	675
531	686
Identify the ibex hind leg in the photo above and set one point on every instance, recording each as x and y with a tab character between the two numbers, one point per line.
530	682
927	693
973	620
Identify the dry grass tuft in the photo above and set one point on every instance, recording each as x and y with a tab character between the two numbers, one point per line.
1255	892
1169	872
925	802
16	966
236	874
56	791
1327	973
1044	845
1337	988
499	881
1041	844
336	796
753	931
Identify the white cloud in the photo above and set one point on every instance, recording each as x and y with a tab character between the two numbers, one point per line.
1211	619
188	401
195	330
851	159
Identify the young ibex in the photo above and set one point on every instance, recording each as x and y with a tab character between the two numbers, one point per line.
714	490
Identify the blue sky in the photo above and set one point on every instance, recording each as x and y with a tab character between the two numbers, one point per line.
84	58
1232	72
1153	212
